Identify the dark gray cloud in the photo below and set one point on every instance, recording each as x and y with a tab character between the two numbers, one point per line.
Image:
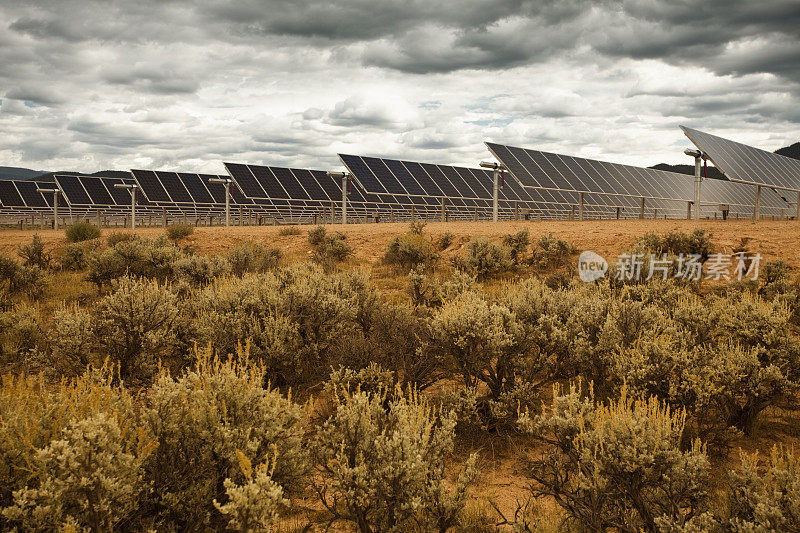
185	83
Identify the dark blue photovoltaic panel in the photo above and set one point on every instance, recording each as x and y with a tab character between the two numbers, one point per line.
174	187
238	196
97	191
289	183
73	190
310	184
362	173
268	182
332	186
9	196
151	186
428	184
447	188
120	196
246	181
32	197
384	176
457	181
217	190
404	177
194	184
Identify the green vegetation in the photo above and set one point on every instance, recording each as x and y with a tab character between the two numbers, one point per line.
82	231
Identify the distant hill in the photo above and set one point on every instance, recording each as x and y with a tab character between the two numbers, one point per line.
792	151
17	173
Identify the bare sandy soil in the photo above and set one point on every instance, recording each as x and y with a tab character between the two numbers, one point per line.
773	239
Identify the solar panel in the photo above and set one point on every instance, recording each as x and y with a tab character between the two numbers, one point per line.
151	186
73	191
120	196
310	184
269	183
9	195
32	197
175	188
245	180
289	183
194	184
745	163
97	190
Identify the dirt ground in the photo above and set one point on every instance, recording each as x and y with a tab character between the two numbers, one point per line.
609	238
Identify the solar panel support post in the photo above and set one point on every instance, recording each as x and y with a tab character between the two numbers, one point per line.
444	210
344	199
516	209
689	210
619	212
698	178
495	193
580	206
55	204
757	206
164	217
641	209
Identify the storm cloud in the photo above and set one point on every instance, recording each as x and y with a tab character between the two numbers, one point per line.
91	85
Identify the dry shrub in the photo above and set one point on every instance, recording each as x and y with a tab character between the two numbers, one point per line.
20	334
289	230
251	256
208	422
82	231
410	250
484	259
382	468
138	257
328	249
618	465
200	269
34	254
517	244
178	232
552	253
30	280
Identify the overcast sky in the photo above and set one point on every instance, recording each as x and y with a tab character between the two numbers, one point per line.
90	85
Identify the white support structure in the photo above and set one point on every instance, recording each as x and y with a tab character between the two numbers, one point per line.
226	182
497	169
698	178
132	187
345	176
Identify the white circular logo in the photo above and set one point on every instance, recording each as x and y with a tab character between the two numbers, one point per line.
591	266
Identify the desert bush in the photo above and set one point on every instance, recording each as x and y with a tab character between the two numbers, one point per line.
76	254
417	227
383	468
289	230
88	478
295	321
34	254
328	248
517	244
480	341
371	379
618	465
82	231
766	500
200	269
427	291
207	422
71	342
410	250
134	326
445	240
484	259
20	333
178	232
551	253
676	243
119	236
254	505
252	256
36	413
30	280
138	257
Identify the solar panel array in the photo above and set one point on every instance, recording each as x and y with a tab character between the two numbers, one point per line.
465	189
607	183
747	164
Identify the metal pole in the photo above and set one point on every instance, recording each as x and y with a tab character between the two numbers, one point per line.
55	210
495	193
688	210
641	210
443	209
227	203
580	206
757	210
133	209
344	199
698	161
